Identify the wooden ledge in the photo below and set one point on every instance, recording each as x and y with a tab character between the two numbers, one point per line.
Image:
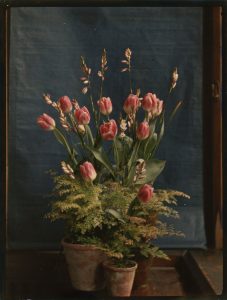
210	265
43	274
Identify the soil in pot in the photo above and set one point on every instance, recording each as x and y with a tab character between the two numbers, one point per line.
85	266
119	280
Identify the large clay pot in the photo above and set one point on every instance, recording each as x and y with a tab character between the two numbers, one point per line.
85	266
119	281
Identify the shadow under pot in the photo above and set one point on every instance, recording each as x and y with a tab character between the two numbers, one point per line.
119	280
85	266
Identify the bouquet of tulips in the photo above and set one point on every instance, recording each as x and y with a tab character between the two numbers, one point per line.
106	194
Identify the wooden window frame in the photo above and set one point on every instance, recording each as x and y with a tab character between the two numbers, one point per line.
214	40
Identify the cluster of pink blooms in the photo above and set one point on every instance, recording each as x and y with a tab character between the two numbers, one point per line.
108	130
89	174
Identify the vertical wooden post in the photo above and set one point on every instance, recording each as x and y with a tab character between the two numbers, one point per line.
212	66
4	65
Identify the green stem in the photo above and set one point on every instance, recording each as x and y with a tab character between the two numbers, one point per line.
130	79
64	142
116	153
101	88
101	91
89	135
92	104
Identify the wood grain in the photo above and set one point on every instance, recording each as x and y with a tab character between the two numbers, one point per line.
43	274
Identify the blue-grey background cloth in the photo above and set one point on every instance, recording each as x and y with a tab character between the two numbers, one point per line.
45	49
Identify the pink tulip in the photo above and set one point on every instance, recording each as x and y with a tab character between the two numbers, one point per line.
152	104
105	105
82	115
65	104
131	104
87	171
46	122
108	130
145	193
143	131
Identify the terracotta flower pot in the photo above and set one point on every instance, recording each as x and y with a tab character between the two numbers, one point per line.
85	266
119	281
142	271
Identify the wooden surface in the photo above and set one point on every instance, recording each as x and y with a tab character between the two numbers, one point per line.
212	125
211	265
42	274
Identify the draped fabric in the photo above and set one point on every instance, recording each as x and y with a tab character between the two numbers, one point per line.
45	47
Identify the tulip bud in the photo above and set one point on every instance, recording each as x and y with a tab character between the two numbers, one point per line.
65	104
131	104
82	115
149	102
87	171
143	131
46	122
105	105
145	193
108	130
152	104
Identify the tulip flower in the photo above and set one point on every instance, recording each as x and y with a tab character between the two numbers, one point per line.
131	104
143	131
145	193
152	104
87	171
65	104
105	106
82	115
46	122
108	130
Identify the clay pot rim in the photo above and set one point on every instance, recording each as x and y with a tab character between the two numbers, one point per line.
85	247
109	265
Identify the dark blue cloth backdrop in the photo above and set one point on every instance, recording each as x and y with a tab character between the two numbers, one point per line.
45	47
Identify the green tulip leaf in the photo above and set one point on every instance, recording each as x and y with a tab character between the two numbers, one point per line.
154	167
115	214
102	158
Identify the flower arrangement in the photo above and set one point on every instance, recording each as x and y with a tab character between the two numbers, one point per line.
106	194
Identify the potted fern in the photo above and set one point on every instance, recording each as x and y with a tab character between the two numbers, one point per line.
100	195
78	204
129	231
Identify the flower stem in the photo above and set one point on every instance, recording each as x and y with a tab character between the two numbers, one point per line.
60	137
129	75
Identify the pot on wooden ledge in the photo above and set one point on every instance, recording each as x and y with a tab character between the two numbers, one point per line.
119	280
85	266
143	270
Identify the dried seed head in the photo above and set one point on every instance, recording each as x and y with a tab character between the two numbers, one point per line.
123	125
140	172
128	53
100	74
124	62
47	99
63	120
80	128
174	78
84	90
67	170
104	59
75	104
54	105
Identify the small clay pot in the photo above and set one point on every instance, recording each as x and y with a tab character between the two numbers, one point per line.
85	266
119	281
